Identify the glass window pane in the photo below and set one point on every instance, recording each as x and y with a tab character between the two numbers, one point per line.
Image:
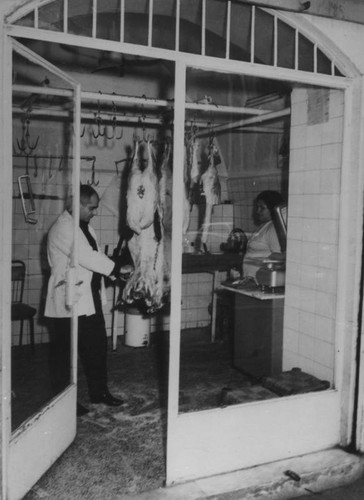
215	34
233	159
264	37
240	32
305	54
164	24
190	26
286	46
236	323
80	17
108	19
42	127
323	63
50	16
136	21
27	20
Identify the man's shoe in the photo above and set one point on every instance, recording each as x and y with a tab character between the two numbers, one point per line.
107	399
81	410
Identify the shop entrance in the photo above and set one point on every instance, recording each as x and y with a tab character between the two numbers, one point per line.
133	89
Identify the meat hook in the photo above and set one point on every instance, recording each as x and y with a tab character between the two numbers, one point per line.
114	122
50	167
98	121
25	145
93	182
35	166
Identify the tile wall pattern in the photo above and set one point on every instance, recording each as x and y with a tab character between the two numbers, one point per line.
313	229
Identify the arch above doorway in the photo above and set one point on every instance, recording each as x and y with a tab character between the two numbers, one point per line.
211	28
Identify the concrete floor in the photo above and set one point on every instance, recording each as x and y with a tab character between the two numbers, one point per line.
331	475
118	453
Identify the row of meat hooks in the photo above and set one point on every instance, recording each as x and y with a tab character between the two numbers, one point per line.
101	129
60	159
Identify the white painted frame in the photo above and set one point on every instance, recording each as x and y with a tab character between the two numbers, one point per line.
203	443
212	442
40	440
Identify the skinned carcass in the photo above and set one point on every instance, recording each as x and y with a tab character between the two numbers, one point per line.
212	190
143	193
145	287
192	177
165	196
150	245
186	192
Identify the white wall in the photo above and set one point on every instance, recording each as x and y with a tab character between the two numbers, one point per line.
313	231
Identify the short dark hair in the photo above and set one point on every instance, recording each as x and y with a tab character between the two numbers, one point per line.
271	199
86	192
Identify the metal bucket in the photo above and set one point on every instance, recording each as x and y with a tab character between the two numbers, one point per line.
137	328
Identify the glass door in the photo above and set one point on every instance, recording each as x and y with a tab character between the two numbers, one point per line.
41	415
253	374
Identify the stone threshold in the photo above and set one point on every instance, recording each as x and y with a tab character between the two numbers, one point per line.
310	474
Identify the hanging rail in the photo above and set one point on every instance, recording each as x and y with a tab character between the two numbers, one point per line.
144	101
257	116
241	124
54	157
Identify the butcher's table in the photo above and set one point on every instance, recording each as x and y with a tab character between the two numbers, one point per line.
212	263
258	330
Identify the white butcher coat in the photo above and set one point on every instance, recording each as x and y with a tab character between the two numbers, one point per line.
59	246
263	242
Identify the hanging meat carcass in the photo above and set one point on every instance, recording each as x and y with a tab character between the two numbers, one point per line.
186	191
195	164
143	193
150	244
145	287
211	188
165	196
192	176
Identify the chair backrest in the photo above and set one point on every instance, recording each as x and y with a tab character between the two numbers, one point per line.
17	281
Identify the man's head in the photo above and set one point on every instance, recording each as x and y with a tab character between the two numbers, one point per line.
89	203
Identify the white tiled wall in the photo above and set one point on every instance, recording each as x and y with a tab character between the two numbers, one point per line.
29	240
313	228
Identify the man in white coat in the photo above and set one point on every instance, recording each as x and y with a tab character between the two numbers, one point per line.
93	265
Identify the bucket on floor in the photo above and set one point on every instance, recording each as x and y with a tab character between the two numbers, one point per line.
137	328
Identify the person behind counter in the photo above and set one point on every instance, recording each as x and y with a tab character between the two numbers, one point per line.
264	241
93	265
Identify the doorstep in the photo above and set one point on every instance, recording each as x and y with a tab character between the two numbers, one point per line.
315	472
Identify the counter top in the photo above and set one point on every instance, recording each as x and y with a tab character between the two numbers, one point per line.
251	289
209	262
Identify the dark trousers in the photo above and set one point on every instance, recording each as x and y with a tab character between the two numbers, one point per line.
92	350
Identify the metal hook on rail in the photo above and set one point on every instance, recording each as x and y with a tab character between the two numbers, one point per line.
93	182
145	137
113	126
25	145
50	167
98	120
35	166
60	164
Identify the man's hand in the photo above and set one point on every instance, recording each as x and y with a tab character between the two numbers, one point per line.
126	272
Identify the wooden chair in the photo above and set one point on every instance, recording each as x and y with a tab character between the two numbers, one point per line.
19	310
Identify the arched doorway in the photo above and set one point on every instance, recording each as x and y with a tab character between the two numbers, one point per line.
212	55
